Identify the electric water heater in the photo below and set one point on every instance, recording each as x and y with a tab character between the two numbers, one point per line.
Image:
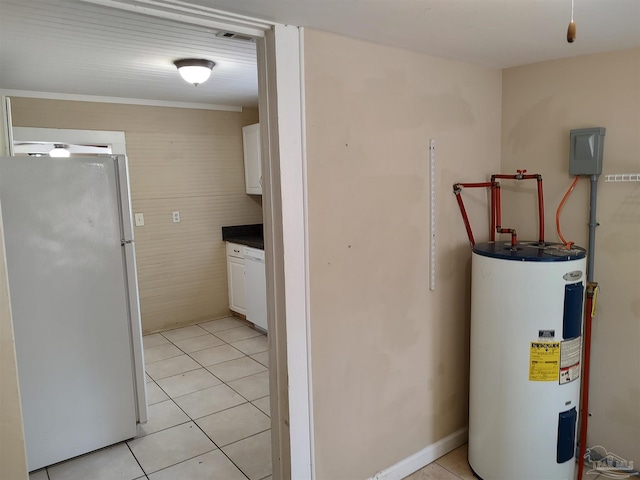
526	324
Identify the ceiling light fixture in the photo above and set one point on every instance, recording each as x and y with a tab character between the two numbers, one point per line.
59	151
194	70
571	31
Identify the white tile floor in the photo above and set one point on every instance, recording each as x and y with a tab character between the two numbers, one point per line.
208	396
454	466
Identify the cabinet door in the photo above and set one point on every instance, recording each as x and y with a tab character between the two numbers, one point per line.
235	272
252	163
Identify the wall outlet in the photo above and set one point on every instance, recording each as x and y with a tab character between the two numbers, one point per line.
176	217
139	218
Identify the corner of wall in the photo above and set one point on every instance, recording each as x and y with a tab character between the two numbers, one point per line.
13	458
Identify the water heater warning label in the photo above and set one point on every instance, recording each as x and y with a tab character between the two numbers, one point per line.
544	361
570	352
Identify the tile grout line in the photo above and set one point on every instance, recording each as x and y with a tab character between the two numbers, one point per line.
161	333
186	371
181	461
185	353
194	421
450	471
248	436
266	366
229	361
242	394
205	433
246	400
220	448
136	459
89	454
225	383
191	420
172	399
207	348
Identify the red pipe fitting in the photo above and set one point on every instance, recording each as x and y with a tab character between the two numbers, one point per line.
474	185
521	175
514	236
492	230
540	212
496	206
457	188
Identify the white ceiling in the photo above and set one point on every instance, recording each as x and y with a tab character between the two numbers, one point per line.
497	33
69	46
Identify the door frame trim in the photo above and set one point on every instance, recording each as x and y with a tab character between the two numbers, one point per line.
113	138
280	80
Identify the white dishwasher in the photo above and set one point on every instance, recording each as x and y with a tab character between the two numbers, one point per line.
255	287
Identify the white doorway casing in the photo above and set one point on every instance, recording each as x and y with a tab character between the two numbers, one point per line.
116	140
286	242
279	50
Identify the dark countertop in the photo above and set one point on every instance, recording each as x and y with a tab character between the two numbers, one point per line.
249	235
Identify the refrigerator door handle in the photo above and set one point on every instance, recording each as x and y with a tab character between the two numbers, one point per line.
136	328
122	168
128	244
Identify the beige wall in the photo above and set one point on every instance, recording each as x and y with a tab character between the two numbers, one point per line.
390	358
13	463
179	159
12	453
250	116
541	104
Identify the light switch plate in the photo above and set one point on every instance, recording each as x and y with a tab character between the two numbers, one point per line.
176	217
139	217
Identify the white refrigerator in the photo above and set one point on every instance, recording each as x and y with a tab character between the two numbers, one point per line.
74	301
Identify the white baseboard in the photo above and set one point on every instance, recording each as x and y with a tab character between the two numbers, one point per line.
424	457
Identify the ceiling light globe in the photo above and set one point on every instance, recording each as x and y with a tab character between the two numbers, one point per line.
59	152
193	70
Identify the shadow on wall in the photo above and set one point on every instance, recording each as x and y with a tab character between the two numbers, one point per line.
527	129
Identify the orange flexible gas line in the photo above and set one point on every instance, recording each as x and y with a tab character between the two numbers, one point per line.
564	199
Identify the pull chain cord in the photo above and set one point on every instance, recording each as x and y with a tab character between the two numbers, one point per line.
572	11
571	31
567	245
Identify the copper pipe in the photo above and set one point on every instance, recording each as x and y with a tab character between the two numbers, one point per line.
475	185
540	211
498	207
463	211
514	236
492	230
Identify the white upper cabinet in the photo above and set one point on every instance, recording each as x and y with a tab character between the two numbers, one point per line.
252	163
